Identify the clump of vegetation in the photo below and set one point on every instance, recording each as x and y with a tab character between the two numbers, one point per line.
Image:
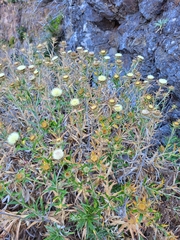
78	159
54	24
21	30
160	24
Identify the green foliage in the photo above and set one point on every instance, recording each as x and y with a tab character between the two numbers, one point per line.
53	25
11	41
57	232
160	24
21	32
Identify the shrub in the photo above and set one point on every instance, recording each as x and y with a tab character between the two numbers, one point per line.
85	164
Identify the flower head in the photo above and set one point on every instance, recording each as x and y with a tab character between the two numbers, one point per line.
117	107
13	138
74	102
140	58
58	154
56	92
145	112
150	77
118	55
107	58
55	58
162	81
2	75
102	78
21	68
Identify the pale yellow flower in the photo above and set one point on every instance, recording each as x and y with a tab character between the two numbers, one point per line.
145	112
102	78
56	92
74	102
21	68
162	81
150	77
58	154
118	108
13	138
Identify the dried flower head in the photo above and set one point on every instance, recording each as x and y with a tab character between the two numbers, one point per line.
175	124
103	52
91	54
31	67
111	101
148	97
56	92
36	72
13	138
67	174
45	166
44	124
93	107
116	76
58	154
65	77
74	102
20	176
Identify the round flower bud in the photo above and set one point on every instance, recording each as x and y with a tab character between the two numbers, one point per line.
58	154
91	54
13	138
56	92
111	101
93	107
102	52
36	72
65	77
31	67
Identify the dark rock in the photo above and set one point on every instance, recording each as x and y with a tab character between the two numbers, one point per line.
149	9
